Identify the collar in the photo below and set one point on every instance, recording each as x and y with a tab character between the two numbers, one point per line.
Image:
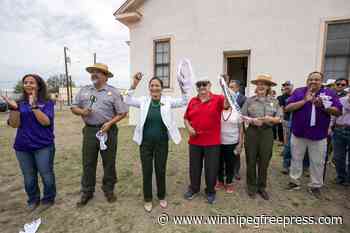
104	88
210	97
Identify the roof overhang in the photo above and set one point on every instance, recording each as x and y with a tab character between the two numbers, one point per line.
127	13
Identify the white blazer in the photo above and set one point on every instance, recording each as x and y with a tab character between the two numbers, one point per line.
166	104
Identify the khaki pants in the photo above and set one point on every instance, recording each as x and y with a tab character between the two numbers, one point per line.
316	151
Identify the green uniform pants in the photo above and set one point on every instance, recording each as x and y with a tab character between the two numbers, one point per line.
258	148
91	148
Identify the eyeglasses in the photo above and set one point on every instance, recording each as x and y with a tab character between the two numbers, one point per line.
341	85
202	84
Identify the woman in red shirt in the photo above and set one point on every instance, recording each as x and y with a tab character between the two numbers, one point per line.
203	122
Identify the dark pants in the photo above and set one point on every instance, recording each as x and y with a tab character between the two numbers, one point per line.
258	147
31	163
157	153
91	148
236	165
278	132
210	155
227	163
341	148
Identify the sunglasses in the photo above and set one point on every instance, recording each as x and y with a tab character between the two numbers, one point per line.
341	84
202	84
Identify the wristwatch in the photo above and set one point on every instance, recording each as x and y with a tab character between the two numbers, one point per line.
35	107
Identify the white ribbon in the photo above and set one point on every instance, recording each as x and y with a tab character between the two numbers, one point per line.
102	137
185	75
31	227
313	116
231	97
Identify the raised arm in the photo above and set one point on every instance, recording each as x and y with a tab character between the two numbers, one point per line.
129	99
15	116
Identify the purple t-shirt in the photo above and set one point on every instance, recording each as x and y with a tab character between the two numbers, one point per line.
302	117
31	135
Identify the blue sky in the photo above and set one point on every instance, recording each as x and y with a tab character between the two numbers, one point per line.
34	32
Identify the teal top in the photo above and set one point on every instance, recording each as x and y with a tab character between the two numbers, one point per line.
154	128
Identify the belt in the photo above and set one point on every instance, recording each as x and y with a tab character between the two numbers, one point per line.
94	126
337	126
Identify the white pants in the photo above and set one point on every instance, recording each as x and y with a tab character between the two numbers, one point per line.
317	153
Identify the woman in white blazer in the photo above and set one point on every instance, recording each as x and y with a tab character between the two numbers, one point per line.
155	127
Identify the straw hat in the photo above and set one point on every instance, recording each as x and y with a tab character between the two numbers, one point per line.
101	67
264	78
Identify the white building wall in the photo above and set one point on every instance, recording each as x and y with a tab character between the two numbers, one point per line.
285	37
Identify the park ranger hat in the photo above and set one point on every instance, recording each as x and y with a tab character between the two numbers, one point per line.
264	78
101	67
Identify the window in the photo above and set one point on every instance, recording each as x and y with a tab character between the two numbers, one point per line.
337	57
162	61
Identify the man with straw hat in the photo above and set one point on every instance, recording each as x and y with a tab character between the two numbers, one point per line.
261	112
100	106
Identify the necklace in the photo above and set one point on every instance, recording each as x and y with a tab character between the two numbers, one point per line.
223	117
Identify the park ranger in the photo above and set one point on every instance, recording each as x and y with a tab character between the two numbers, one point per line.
261	112
101	107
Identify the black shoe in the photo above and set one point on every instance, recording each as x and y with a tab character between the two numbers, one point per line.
251	194
264	195
292	186
84	199
316	192
189	195
111	198
285	171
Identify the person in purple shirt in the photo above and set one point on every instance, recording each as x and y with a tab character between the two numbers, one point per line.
33	116
312	107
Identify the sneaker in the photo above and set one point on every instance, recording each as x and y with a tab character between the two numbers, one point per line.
229	188
292	186
219	186
211	198
189	195
316	192
31	207
163	204
237	177
148	206
285	171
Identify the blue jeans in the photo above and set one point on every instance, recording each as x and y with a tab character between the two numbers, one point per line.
38	161
341	148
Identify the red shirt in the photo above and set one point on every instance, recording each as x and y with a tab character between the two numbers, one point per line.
205	118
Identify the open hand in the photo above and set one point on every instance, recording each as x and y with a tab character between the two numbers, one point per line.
10	102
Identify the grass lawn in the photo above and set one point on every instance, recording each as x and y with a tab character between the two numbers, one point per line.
127	214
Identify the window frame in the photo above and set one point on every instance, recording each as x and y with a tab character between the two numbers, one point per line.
156	65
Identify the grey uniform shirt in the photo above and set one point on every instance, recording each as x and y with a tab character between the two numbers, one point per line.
109	103
262	106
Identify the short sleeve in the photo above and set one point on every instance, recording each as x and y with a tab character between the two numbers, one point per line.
244	109
221	102
186	115
49	110
336	102
119	104
295	97
77	101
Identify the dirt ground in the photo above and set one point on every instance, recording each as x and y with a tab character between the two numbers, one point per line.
127	214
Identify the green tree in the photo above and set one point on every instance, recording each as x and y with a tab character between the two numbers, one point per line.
19	87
